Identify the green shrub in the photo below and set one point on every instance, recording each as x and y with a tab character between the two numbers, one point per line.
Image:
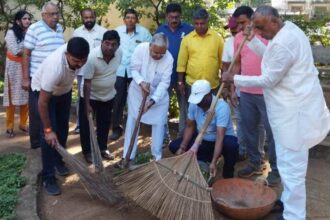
1	86
142	158
11	181
174	106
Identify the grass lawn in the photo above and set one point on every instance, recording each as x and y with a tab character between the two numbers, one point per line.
11	181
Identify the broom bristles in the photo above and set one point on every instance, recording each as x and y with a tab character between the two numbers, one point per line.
96	185
95	149
164	189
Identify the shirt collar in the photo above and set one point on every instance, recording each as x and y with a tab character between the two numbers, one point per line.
49	28
179	27
135	30
194	33
93	28
99	53
65	62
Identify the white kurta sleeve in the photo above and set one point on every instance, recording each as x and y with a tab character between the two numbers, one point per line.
257	46
277	64
165	81
136	65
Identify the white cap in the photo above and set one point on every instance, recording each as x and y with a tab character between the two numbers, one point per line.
199	89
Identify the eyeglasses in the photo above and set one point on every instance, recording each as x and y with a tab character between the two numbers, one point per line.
52	14
178	17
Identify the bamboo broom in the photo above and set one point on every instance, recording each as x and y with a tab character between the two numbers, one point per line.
174	188
95	149
136	128
97	185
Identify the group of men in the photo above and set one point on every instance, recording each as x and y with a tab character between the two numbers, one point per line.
275	90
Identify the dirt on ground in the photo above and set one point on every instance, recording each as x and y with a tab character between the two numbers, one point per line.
75	203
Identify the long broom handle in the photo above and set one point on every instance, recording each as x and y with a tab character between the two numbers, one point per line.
210	115
137	124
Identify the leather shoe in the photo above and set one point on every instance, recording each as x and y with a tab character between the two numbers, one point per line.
88	158
107	155
115	135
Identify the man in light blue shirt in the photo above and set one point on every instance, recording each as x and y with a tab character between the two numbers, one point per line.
219	137
131	34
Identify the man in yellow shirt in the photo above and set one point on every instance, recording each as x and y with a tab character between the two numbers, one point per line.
200	54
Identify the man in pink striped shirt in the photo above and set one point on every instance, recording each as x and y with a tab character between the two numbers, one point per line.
253	109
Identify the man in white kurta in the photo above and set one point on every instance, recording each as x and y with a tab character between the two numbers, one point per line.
296	108
151	63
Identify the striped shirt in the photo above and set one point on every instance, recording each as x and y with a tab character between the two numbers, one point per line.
42	40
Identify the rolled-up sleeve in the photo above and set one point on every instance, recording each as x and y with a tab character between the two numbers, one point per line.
276	66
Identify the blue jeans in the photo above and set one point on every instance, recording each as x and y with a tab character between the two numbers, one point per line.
239	132
59	113
206	149
253	112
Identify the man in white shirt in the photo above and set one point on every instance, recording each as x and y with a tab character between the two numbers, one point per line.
51	85
296	108
131	35
151	63
98	93
93	33
90	30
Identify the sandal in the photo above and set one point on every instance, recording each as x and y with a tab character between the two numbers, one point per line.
10	133
24	129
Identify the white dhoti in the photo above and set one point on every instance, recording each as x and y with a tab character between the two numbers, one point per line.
156	116
292	166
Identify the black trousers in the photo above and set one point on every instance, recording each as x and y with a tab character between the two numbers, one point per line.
121	87
59	114
102	111
34	120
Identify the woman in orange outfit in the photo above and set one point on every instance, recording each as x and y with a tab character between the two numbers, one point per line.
14	95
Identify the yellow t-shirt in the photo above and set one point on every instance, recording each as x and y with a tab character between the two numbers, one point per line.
200	57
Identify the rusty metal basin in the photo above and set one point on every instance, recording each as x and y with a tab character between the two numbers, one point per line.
242	199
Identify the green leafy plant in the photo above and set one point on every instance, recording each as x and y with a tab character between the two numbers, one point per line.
142	158
11	181
174	107
1	86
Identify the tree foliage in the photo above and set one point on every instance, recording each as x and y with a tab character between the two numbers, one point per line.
70	10
155	9
314	28
70	13
255	3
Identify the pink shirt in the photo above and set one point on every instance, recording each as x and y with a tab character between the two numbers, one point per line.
250	63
